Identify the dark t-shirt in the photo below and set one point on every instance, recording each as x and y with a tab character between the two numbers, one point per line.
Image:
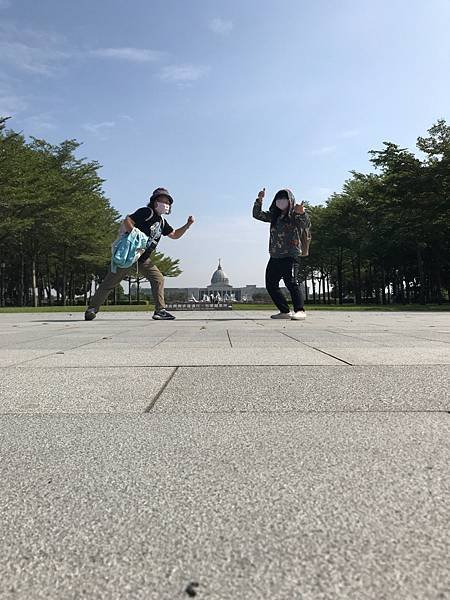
152	225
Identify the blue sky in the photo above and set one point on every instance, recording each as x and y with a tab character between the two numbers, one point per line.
216	99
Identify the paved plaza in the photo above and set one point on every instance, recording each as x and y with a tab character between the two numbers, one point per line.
255	458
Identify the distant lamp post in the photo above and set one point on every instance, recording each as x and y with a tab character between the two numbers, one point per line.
2	284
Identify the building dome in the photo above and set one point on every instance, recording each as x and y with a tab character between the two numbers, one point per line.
219	276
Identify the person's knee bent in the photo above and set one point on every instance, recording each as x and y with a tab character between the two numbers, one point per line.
272	287
158	279
157	275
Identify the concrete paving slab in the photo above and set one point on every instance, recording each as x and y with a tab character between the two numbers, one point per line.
85	390
238	478
136	357
56	342
400	340
266	343
432	335
316	507
317	339
170	345
418	355
25	334
10	358
366	340
324	388
149	347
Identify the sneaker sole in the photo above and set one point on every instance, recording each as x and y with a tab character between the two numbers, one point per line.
163	318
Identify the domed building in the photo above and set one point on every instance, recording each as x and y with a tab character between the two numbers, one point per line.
219	277
219	286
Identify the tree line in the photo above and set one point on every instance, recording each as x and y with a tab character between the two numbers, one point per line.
384	238
56	224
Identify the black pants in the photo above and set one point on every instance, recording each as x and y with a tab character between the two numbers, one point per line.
287	269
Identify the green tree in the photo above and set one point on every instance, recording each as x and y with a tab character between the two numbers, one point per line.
56	225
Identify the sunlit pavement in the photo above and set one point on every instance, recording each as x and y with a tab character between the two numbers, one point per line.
257	458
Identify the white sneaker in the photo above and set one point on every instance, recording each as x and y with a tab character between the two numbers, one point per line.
281	315
298	316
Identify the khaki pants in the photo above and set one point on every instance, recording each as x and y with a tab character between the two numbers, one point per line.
147	268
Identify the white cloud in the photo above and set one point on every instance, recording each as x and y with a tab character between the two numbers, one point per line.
323	151
27	58
10	104
43	52
138	55
183	73
30	50
37	124
221	26
99	129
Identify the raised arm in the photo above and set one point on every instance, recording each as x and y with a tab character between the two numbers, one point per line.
302	220
258	212
177	233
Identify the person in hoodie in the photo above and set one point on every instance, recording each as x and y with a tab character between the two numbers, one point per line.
150	220
287	220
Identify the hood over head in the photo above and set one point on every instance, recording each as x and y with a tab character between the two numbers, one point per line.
276	212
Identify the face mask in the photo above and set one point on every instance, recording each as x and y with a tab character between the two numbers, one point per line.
162	208
282	203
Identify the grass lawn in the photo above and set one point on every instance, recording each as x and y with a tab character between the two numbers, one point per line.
149	307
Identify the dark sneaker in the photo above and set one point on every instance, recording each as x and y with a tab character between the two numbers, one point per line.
90	314
162	315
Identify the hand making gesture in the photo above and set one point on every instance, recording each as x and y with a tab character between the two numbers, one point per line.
261	195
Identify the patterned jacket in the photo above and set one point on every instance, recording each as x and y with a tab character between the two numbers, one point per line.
285	232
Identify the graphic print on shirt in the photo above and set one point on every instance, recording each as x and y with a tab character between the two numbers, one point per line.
155	234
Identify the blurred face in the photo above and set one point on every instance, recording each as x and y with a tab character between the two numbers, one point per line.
162	205
282	201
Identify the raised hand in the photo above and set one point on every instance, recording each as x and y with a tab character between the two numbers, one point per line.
261	195
190	221
299	209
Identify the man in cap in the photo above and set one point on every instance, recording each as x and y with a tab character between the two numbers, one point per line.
151	221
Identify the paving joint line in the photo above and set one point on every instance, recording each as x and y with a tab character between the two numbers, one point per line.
224	412
303	411
75	347
415	337
45	337
355	337
161	391
332	356
57	352
246	365
317	349
229	337
163	340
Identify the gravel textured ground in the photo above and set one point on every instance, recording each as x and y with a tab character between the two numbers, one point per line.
257	459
